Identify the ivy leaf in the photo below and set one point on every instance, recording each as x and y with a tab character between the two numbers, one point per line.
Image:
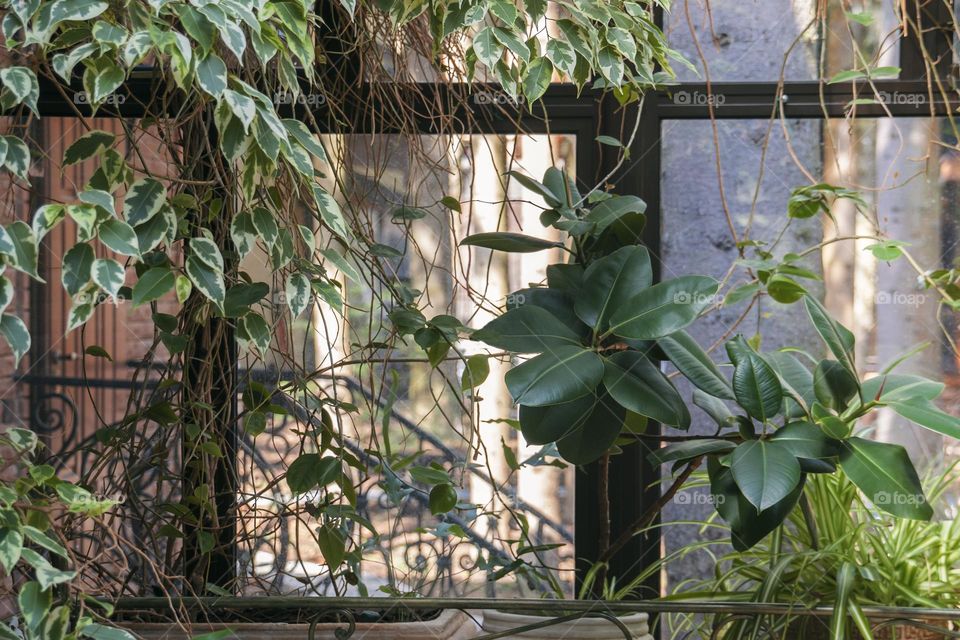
241	106
306	139
6	293
47	575
20	84
212	75
47	218
77	268
207	252
330	212
153	285
11	544
297	293
311	470
443	498
537	81
87	146
143	201
15	332
24	245
258	331
183	288
206	279
109	275
17	159
106	82
119	237
475	372
487	47
243	233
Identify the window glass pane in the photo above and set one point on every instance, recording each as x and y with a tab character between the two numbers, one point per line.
906	172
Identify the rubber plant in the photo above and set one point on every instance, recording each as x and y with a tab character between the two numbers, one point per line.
594	342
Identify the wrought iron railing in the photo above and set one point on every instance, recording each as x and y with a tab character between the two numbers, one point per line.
552	612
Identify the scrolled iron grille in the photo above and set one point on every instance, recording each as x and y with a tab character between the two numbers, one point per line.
403	553
271	558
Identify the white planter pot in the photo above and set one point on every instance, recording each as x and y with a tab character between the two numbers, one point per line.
449	625
581	629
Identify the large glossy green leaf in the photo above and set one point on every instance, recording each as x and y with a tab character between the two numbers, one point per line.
694	363
896	387
508	241
747	525
637	384
611	282
558	302
838	338
885	474
526	329
834	385
765	471
542	425
796	380
926	414
757	387
690	449
561	374
596	435
805	440
664	308
612	209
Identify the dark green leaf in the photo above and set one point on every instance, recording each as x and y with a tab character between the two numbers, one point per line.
508	241
612	282
689	450
635	383
664	308
596	435
561	374
765	471
443	498
757	387
694	363
526	329
885	474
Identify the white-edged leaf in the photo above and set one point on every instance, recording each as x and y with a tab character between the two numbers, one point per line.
109	275
119	237
15	332
206	279
143	201
297	293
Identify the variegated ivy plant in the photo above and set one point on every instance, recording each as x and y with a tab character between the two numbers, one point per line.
235	56
599	331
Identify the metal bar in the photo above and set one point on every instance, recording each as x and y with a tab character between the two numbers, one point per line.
486	108
565	607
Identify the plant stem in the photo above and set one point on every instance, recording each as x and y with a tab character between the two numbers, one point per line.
650	514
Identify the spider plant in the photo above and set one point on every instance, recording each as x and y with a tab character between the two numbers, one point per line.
836	549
